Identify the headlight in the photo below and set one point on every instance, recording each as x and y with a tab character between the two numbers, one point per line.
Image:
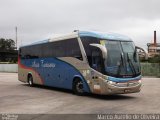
111	82
140	81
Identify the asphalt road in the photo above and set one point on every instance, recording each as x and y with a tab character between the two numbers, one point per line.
17	97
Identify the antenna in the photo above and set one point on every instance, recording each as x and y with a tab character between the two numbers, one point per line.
16	36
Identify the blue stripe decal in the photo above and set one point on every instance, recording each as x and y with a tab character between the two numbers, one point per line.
36	43
55	72
124	79
109	36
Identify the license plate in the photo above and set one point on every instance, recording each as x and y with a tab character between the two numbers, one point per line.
126	90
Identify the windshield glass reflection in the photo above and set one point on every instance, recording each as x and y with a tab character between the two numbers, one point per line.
122	59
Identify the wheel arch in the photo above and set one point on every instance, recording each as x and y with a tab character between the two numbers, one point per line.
85	84
28	75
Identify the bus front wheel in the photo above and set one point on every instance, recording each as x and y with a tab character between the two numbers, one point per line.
30	80
78	87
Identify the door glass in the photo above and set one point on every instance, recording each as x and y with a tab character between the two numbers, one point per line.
96	60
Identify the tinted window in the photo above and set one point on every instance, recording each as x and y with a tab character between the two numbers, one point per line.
94	54
30	52
114	53
64	48
88	49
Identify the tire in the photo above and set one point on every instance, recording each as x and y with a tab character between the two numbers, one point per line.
78	87
30	81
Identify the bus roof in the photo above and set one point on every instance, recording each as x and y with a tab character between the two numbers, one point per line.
101	35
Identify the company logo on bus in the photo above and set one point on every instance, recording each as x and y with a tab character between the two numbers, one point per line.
43	64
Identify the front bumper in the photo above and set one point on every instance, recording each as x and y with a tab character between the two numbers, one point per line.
106	88
113	89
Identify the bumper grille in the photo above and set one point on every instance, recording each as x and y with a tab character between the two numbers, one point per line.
127	84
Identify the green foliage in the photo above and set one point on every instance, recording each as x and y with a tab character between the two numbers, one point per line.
150	69
155	59
7	50
7	44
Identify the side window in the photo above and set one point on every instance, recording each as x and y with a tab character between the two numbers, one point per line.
72	48
30	52
47	50
94	55
21	53
35	51
86	41
63	48
96	59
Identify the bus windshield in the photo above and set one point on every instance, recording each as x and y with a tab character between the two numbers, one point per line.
122	59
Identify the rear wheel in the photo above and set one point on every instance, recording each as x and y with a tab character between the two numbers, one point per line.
30	81
78	87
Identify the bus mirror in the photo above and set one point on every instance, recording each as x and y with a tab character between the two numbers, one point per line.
142	52
102	48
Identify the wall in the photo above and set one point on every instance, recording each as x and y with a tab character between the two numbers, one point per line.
8	68
150	69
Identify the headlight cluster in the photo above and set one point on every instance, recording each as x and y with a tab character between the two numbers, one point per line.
140	81
111	82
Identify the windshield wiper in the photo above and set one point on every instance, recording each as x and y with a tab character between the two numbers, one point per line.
131	65
121	64
135	55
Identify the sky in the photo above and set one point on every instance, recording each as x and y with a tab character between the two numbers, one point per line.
41	19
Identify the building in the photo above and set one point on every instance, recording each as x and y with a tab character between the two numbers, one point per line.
153	48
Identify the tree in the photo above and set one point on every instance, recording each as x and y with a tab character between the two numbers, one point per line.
7	44
155	59
7	50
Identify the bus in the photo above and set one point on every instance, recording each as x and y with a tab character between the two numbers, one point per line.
82	61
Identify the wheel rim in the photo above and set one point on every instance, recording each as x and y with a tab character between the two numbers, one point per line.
79	87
